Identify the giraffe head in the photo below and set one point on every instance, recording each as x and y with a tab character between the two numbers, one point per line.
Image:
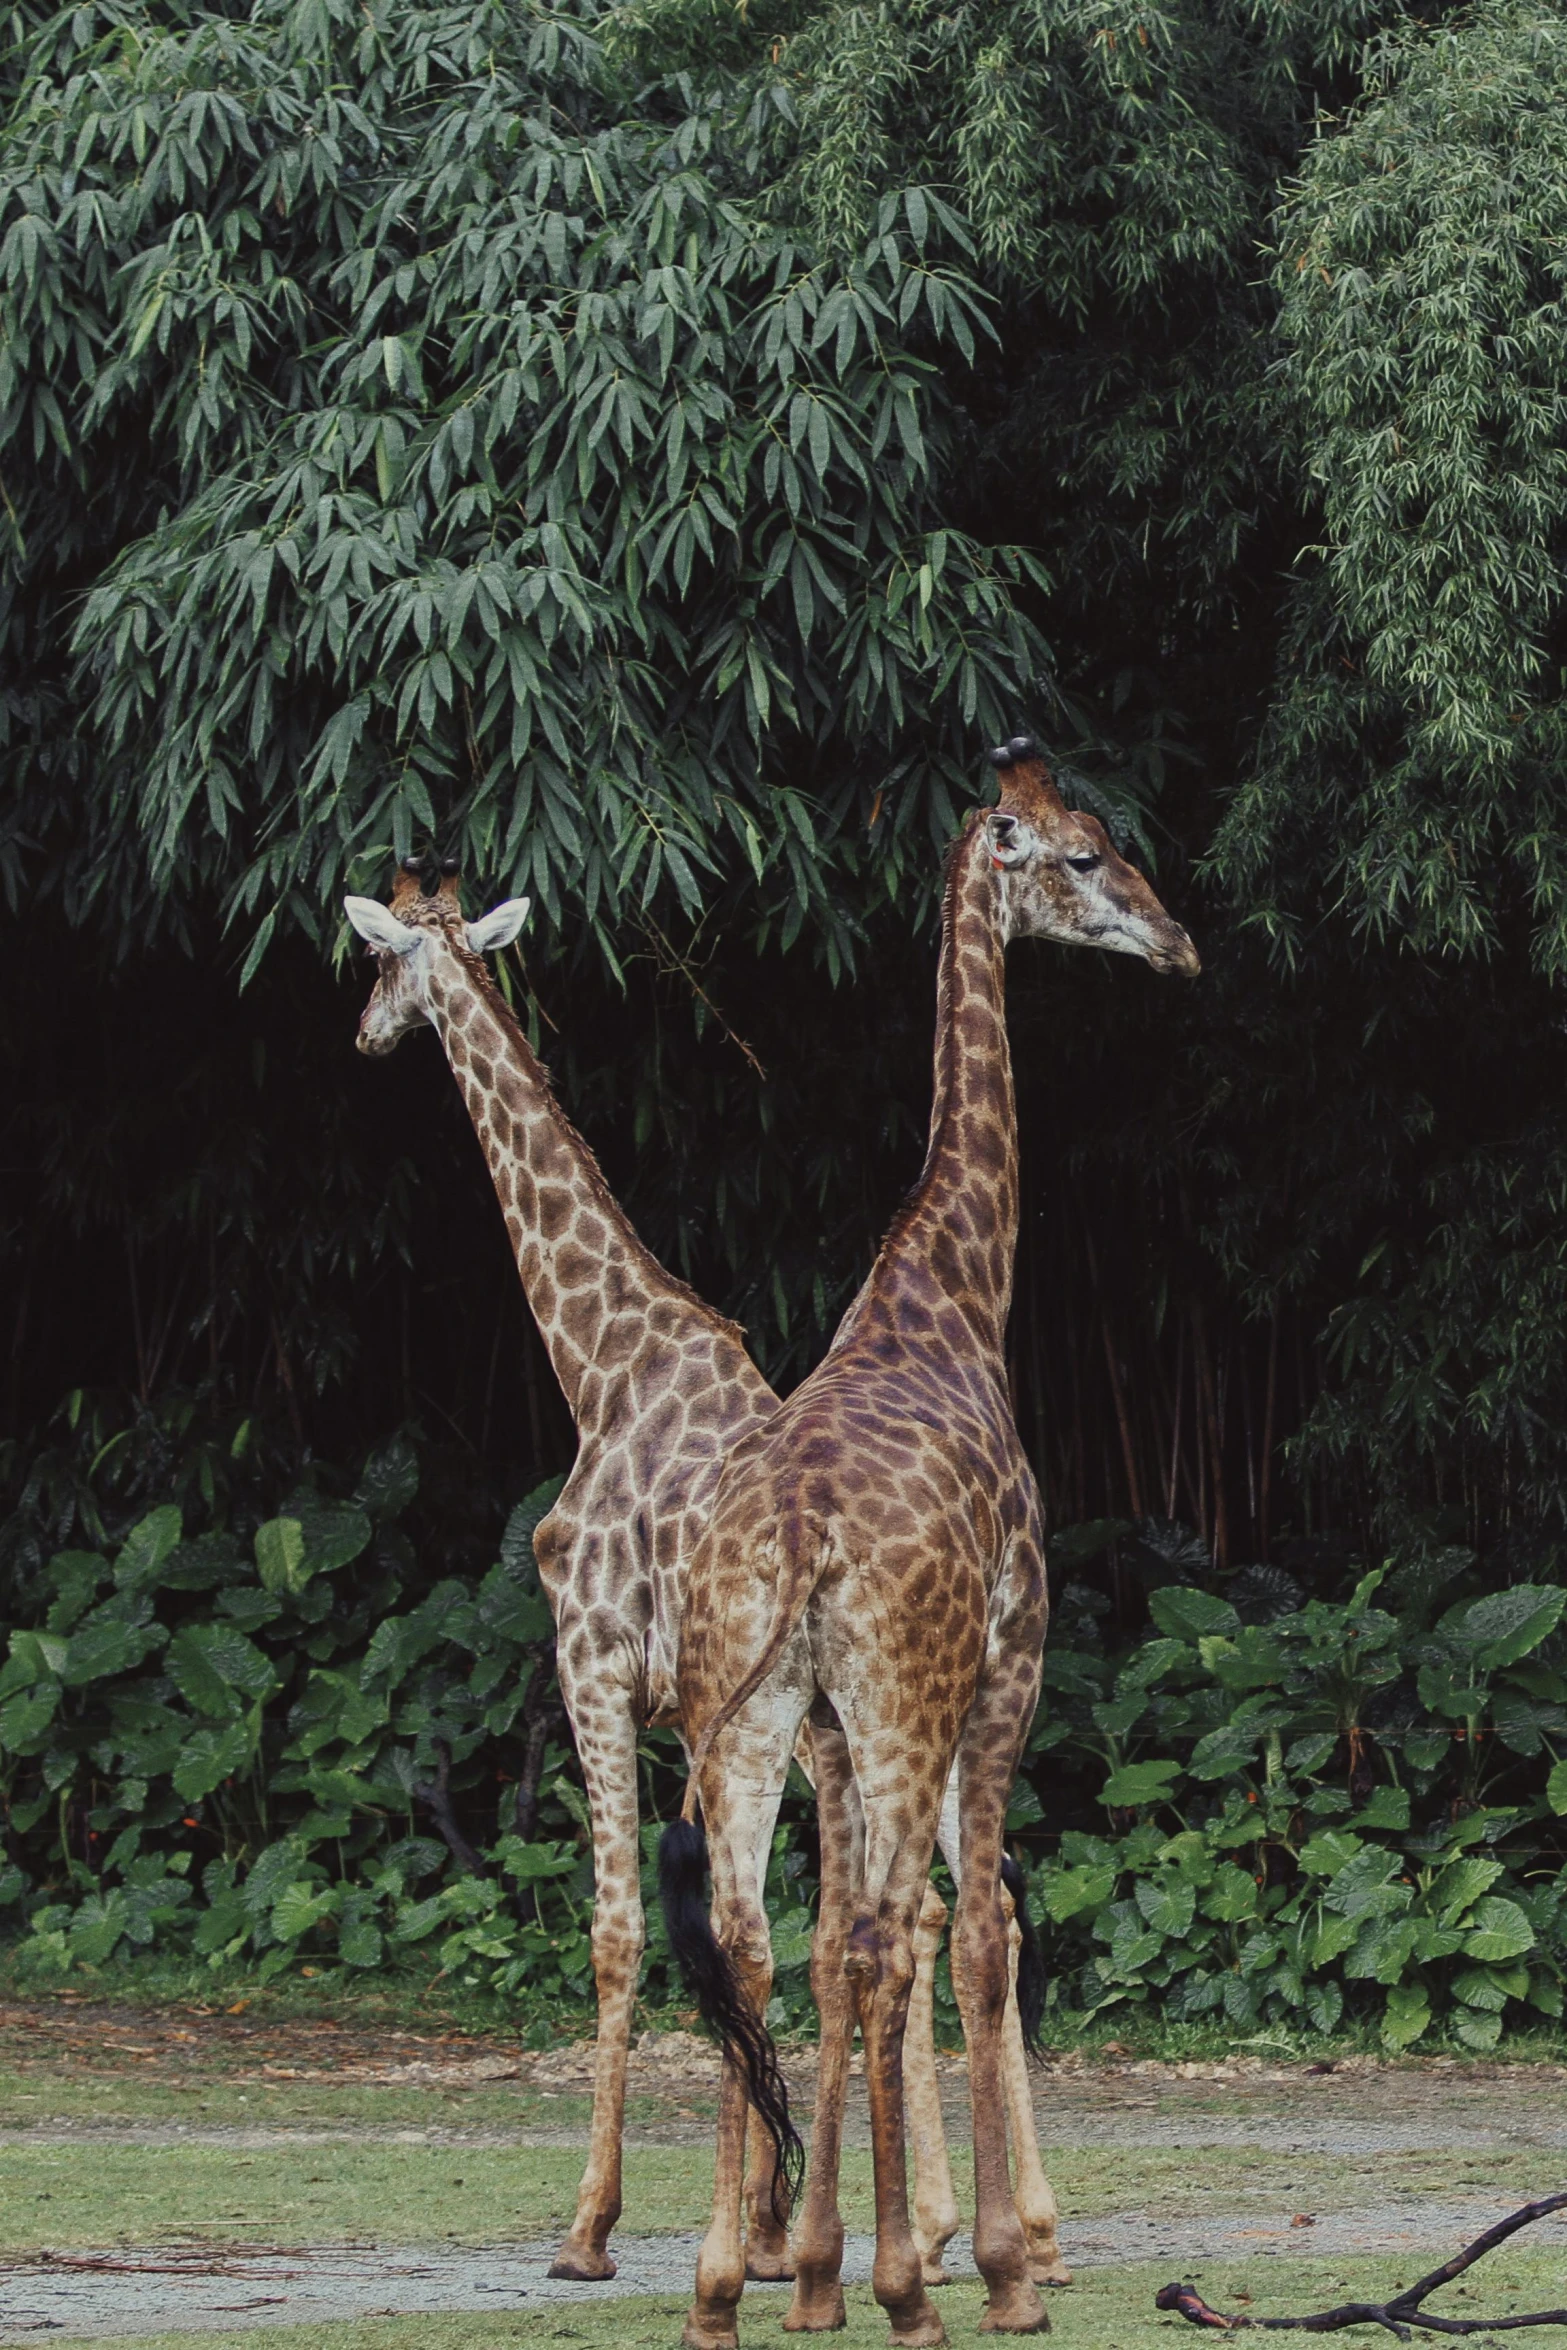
1061	878
422	927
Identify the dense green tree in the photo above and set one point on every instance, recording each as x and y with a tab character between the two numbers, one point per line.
651	451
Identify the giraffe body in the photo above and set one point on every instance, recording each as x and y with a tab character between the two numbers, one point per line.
874	1561
659	1386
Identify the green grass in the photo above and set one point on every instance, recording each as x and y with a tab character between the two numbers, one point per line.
71	2194
1109	2309
414	1996
44	2093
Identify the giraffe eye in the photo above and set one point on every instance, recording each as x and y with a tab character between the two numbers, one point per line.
1086	863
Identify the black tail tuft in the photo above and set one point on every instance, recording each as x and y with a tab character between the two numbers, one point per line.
1030	1962
709	1976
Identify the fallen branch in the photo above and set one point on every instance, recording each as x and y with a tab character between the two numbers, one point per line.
1397	2315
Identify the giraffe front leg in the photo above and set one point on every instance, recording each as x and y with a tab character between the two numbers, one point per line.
935	2202
607	1743
1031	2190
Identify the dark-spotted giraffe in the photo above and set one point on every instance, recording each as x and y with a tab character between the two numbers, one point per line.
874	1561
658	1386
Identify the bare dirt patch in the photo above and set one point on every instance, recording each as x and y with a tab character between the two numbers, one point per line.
87	2063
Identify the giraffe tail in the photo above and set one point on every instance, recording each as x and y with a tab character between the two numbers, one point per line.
1030	1961
711	1978
795	1589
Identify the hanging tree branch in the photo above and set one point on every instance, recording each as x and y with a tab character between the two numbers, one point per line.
1399	2314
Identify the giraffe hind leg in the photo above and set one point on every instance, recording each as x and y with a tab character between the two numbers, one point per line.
1033	2194
881	1968
817	2306
607	1742
729	1963
935	2200
1031	2189
981	1971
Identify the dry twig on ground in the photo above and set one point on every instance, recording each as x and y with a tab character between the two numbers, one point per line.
1399	2314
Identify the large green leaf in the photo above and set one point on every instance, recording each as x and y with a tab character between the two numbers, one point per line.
359	1942
390	1479
1324	2005
1230	1895
300	1907
146	1547
1169	1906
334	1534
1497	1929
1406	2016
1326	1853
512	1612
280	1555
1461	1884
1069	1893
1232	1747
1382	1949
99	1926
105	1646
216	1667
1370	1884
34	1656
208	1757
25	1719
1139	1783
1490	1987
792	1935
1506	1625
521	1526
1186	1613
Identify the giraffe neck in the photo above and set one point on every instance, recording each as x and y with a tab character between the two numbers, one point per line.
592	1284
960	1222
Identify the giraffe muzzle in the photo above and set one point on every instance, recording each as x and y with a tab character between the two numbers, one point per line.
1181	957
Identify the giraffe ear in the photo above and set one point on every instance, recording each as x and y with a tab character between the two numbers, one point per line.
1008	839
379	928
499	926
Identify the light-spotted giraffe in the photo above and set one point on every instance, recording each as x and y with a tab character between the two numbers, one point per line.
658	1386
874	1560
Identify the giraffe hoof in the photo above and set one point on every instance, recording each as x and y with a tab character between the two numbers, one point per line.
1049	2272
1015	2310
583	2267
817	2313
925	2333
697	2335
932	2272
769	2268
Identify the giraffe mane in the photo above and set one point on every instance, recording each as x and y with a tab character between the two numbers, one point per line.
478	973
914	1198
1028	790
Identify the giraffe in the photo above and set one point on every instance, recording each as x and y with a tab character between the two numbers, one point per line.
874	1562
659	1385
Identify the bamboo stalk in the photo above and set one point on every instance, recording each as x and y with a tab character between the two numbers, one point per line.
1175	1419
1264	1528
